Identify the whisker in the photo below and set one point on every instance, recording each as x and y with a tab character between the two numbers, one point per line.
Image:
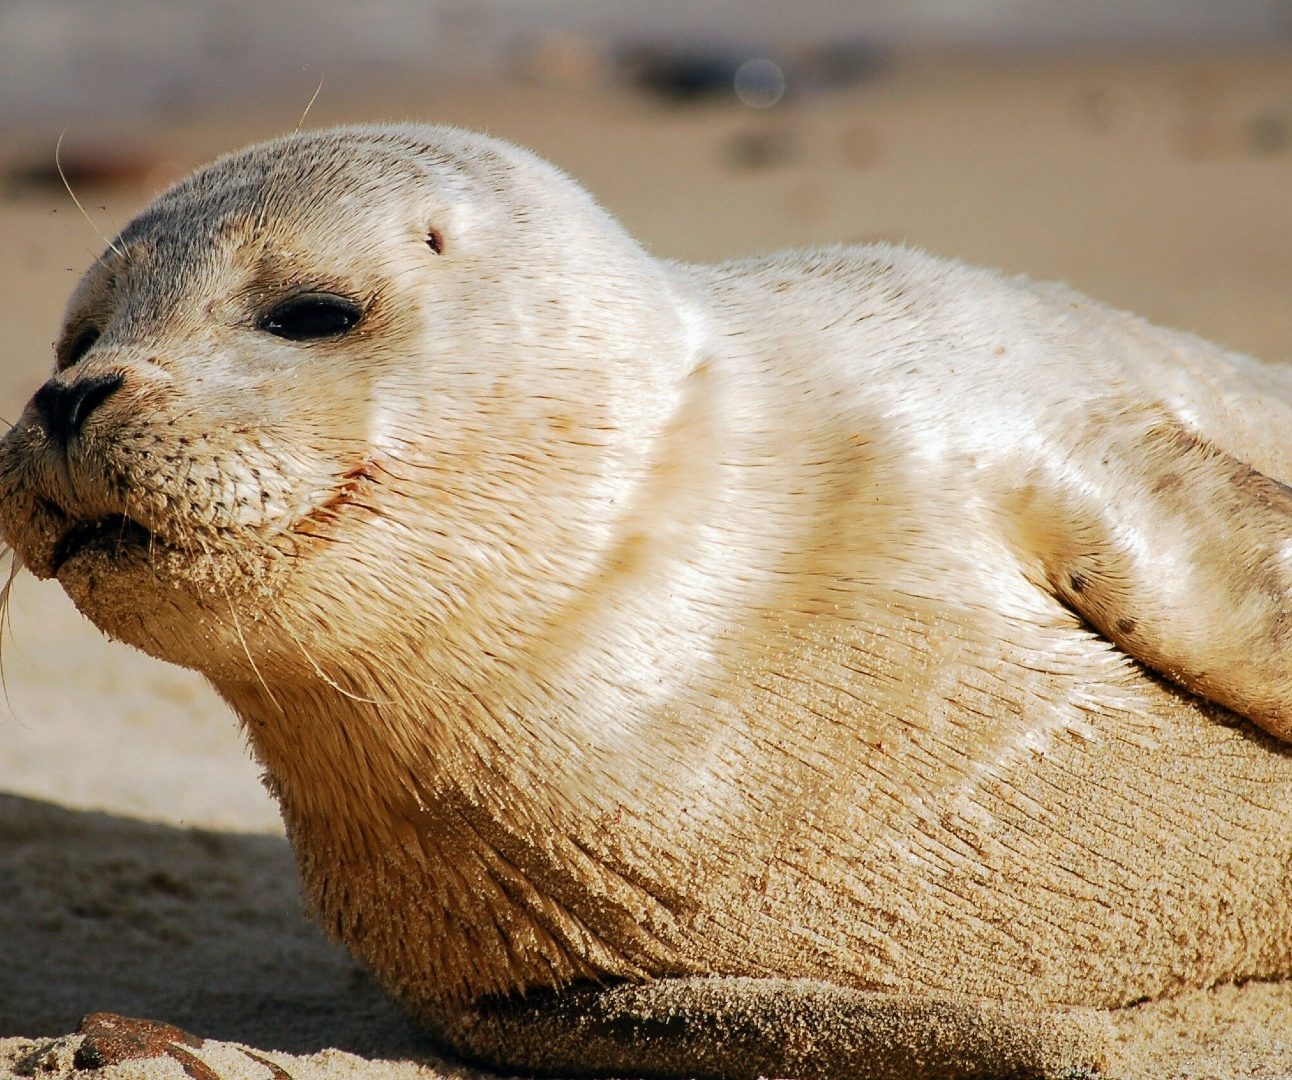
58	164
308	105
261	217
6	625
326	677
242	640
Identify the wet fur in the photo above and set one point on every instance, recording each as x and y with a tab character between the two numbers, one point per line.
832	618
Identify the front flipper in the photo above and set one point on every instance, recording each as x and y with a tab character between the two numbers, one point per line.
737	1028
1175	551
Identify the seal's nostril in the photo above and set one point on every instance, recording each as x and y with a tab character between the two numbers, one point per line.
64	406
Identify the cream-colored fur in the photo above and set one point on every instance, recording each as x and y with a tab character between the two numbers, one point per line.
873	633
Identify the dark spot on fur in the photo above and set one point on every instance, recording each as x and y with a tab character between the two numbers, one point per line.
1077	583
435	241
1126	626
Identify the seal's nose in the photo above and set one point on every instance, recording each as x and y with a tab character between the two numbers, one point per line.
64	406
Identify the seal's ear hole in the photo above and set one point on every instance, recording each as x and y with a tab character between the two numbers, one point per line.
435	241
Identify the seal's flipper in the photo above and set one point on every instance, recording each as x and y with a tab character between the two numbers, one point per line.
744	1028
1177	552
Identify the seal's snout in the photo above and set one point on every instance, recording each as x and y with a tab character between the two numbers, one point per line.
64	406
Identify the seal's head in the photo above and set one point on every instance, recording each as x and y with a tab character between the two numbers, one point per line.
397	368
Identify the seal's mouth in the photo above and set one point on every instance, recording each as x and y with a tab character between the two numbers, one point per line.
115	533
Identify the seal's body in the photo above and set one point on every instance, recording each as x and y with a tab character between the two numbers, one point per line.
844	616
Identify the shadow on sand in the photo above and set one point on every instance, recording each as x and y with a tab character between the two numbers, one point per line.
202	929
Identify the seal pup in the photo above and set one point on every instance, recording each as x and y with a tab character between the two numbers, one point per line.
842	662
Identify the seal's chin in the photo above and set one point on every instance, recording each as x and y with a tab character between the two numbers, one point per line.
114	535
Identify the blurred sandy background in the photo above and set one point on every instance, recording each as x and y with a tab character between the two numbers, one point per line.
1140	151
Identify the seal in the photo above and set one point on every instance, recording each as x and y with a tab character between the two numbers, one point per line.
840	662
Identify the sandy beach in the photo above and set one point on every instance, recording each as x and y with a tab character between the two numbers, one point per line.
142	867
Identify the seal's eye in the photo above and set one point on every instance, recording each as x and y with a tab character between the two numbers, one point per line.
81	344
310	316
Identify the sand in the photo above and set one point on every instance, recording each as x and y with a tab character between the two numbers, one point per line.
142	868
